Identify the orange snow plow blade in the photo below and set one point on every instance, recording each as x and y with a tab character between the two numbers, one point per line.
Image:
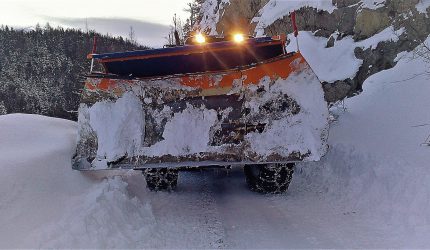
269	112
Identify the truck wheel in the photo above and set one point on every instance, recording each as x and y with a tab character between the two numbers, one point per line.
161	179
269	178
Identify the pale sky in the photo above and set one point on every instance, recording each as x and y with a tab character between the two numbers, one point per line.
150	18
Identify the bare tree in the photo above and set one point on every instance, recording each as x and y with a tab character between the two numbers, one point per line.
132	36
176	34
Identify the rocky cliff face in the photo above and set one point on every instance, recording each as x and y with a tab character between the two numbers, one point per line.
361	21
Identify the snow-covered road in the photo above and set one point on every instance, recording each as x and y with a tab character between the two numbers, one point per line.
214	209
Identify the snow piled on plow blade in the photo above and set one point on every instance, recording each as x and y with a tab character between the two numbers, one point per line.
138	123
304	132
188	132
119	126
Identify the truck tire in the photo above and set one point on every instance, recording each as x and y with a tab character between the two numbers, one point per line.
269	178
161	179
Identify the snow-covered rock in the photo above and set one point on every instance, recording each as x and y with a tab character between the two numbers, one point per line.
388	27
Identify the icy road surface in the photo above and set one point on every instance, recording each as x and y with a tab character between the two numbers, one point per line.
372	190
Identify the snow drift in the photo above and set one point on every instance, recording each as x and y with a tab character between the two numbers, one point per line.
43	203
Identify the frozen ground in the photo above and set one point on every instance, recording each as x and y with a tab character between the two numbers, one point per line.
372	190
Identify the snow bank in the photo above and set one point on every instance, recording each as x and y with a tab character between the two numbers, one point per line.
277	9
377	167
110	217
45	204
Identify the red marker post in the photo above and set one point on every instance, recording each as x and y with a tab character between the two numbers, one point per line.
296	31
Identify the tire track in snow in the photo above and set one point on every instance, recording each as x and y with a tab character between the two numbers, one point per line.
250	219
186	217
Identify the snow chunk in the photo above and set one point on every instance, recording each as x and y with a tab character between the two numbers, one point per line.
276	9
186	133
120	127
422	6
328	63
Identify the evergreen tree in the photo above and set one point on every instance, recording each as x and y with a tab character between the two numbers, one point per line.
41	70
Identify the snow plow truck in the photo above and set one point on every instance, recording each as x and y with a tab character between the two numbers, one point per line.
214	101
